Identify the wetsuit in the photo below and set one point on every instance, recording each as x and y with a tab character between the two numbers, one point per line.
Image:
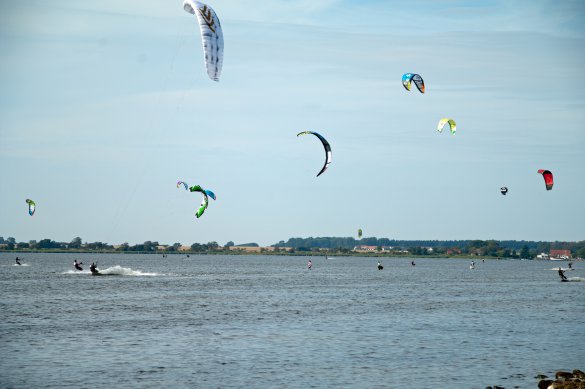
93	268
562	274
18	261
77	265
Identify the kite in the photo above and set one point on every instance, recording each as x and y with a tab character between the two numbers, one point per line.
548	178
204	202
179	183
31	206
452	125
325	145
211	35
210	194
503	190
407	78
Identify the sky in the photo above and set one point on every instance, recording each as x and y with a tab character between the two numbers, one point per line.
105	105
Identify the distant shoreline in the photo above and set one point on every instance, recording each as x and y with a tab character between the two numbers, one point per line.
272	253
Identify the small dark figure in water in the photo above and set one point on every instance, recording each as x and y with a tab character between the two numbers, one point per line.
77	265
562	274
412	263
187	255
93	268
571	265
380	266
310	264
18	261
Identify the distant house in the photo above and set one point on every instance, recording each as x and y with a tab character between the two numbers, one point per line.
365	249
454	250
162	247
184	248
251	249
564	254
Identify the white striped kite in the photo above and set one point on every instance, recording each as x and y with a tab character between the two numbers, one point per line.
211	35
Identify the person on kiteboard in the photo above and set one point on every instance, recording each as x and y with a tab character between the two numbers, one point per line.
18	261
562	274
93	268
77	265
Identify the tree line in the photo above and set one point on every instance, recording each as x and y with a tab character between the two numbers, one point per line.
494	248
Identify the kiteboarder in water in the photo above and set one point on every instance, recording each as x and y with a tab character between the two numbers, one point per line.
380	266
77	265
18	261
571	265
309	265
562	274
412	263
93	268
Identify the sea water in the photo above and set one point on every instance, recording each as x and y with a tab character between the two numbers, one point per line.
267	321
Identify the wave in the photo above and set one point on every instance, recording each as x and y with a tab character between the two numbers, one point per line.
125	271
22	264
114	271
576	279
562	268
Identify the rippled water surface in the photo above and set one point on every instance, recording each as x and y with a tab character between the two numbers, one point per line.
262	321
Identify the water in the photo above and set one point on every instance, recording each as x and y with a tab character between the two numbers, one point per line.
262	321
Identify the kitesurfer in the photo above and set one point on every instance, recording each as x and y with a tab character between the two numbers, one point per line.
18	261
93	268
380	266
309	265
472	265
570	265
562	274
412	263
77	265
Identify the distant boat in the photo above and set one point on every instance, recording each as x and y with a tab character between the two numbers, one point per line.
561	258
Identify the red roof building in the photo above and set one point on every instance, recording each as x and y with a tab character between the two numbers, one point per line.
560	253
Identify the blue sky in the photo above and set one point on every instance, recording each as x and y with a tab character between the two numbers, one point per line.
105	105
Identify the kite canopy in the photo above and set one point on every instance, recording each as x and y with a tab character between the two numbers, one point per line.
211	35
31	206
452	125
359	233
179	183
548	178
407	78
210	194
204	202
325	145
503	190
